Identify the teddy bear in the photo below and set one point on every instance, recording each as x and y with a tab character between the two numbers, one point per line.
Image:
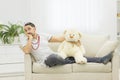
72	47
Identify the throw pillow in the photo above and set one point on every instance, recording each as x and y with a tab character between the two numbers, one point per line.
107	48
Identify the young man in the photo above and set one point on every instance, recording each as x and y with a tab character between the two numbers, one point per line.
37	45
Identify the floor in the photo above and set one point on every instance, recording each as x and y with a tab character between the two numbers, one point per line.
13	78
22	77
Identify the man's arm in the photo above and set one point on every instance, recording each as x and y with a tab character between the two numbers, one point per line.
28	47
57	38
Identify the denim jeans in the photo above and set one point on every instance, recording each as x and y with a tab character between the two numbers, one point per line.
54	60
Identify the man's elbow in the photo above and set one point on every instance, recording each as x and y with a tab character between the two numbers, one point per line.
26	51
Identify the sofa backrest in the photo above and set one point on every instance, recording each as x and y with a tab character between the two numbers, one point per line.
91	43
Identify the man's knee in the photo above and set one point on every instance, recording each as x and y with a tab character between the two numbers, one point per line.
54	60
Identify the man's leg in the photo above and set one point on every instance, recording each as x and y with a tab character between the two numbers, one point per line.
93	59
105	59
54	60
69	60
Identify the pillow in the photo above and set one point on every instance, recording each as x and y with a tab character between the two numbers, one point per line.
107	48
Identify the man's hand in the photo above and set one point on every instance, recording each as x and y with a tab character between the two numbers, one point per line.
27	48
30	37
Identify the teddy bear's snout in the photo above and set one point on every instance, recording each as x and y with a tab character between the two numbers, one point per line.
71	35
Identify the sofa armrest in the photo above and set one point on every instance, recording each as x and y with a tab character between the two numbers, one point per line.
28	66
115	66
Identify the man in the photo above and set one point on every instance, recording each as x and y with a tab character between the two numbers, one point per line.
37	45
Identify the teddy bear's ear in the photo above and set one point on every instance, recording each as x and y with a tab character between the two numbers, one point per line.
80	34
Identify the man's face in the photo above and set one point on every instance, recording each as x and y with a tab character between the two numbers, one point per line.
29	30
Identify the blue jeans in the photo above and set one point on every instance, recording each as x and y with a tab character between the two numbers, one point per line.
54	60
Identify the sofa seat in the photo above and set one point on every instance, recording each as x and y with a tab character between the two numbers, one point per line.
94	67
37	68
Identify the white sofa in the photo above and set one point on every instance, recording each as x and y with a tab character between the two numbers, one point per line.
95	46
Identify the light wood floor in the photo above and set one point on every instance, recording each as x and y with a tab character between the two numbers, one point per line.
23	78
13	78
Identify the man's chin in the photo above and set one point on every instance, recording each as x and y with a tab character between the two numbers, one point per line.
32	34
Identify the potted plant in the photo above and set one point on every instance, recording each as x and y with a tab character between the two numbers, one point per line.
1	27
8	33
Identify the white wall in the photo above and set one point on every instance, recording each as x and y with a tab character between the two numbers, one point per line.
11	57
90	16
52	16
14	11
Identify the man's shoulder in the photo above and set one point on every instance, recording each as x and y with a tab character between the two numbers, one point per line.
45	35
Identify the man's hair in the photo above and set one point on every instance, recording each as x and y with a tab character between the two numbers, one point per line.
29	23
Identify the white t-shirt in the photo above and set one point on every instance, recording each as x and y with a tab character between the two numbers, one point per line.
43	51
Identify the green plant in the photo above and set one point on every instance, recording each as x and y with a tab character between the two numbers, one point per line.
1	27
9	32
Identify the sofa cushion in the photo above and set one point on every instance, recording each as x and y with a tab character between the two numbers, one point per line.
37	68
92	67
107	48
68	68
93	43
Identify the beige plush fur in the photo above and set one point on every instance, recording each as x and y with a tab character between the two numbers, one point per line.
72	47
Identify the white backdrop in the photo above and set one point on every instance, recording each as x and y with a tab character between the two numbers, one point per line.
89	16
52	16
15	11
